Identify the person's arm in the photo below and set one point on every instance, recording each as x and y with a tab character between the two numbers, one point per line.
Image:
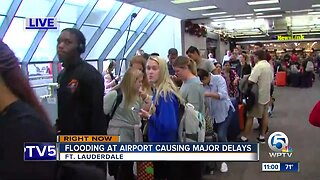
222	89
109	101
109	83
253	78
97	122
213	95
165	117
211	66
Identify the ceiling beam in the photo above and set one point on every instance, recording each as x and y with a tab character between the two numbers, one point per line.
118	35
9	17
147	34
134	37
40	34
116	7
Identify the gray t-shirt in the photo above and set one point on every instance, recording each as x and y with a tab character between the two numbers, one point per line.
207	65
193	92
123	118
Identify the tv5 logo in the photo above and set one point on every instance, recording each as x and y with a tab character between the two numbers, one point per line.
40	151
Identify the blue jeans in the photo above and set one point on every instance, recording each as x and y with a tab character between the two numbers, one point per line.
222	128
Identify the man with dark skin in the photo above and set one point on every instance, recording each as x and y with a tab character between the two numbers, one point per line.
80	92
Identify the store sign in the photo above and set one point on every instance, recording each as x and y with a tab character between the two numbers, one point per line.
288	38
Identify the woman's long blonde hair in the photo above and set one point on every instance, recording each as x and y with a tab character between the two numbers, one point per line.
164	84
128	84
142	61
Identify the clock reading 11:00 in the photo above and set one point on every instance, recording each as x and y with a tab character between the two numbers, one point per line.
280	167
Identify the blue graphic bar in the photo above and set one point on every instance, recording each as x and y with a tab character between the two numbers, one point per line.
40	151
289	167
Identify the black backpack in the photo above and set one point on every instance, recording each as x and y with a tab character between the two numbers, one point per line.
118	101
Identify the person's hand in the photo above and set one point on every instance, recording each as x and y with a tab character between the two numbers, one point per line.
143	94
235	82
144	114
174	77
117	78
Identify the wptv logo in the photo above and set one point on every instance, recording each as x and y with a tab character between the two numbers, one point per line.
279	144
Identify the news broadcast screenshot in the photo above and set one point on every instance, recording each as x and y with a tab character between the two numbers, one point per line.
159	89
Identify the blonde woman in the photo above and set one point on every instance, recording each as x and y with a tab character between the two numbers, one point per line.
126	122
163	119
139	62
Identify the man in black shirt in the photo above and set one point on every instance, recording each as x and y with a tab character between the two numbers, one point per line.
81	89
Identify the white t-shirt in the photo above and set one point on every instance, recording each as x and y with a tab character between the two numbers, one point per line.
262	75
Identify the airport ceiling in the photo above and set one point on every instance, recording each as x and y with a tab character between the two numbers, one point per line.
243	17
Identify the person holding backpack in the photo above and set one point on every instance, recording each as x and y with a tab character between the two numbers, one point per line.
192	92
125	121
163	117
220	105
309	68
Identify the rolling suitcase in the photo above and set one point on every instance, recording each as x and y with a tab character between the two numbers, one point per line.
281	78
241	116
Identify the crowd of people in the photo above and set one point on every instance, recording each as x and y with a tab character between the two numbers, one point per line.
300	68
143	103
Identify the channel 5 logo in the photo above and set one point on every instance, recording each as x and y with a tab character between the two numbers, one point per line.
279	144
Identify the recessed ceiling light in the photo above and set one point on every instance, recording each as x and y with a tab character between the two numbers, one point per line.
249	17
202	8
243	15
184	1
267	9
313	13
315	5
263	2
217	17
259	14
215	13
226	19
270	16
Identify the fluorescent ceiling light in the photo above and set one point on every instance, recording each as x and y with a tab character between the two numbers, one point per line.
202	8
217	17
270	16
184	1
263	2
305	10
267	9
249	17
315	5
243	15
313	13
226	19
259	14
212	14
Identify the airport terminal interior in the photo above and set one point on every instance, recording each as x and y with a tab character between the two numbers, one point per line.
118	30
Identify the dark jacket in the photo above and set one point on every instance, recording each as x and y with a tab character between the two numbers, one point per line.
245	70
19	124
80	100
